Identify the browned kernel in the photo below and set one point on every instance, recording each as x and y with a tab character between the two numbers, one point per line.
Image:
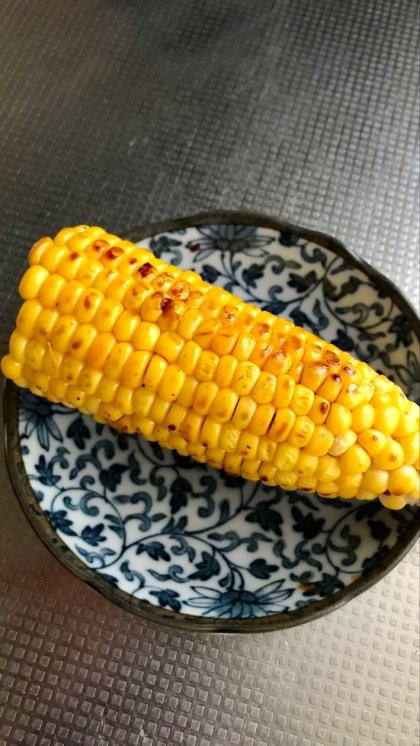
114	253
180	290
147	270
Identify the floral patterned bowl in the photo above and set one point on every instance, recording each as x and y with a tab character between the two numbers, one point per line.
179	542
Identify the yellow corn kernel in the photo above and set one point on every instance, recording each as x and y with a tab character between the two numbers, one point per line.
92	404
382	384
87	305
26	372
261	353
286	457
266	449
321	441
107	389
75	396
159	410
133	260
250	468
390	457
34	352
125	328
393	502
215	457
379	399
189	356
327	489
232	464
363	494
244	412
175	417
302	401
295	371
287	480
386	419
351	396
331	387
171	316
295	347
90	379
307	484
152	306
161	433
349	484
278	363
205	369
314	375
51	291
17	346
11	368
172	382
225	371
38	250
262	419
282	425
410	443
342	443
82	340
229	437
124	399
189	324
169	345
372	441
313	352
136	297
369	390
246	318
267	473
197	451
320	410
187	393
339	419
301	432
350	374
210	433
32	282
100	350
285	390
155	372
409	421
244	346
162	282
70	369
223	405
306	465
142	401
58	388
107	314
79	240
45	324
69	297
206	332
119	287
245	377
328	469
145	335
143	426
191	427
265	388
71	264
375	480
355	460
109	412
204	397
126	424
117	360
366	371
63	236
362	418
248	444
88	273
399	399
415	493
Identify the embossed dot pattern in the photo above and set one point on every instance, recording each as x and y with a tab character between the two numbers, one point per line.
119	113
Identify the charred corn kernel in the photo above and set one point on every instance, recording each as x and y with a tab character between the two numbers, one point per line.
223	405
250	468
143	426
152	306
107	389
71	264
327	489
53	256
390	457
386	419
286	457
355	460
244	412
34	352
124	400
320	442
112	256
170	317
225	340
248	444
267	473
328	469
349	484
320	410
375	480
204	397
58	388
210	433
162	282
169	345
279	362
125	328
331	387
189	323
206	332
17	346
205	368
107	314
172	382
282	424
87	305
11	368
265	387
70	369
342	443
302	401
243	347
155	372
372	441
225	371
409	422
261	353
32	282
339	419
266	449
142	401
262	419
301	432
191	427
410	445
245	377
229	437
117	360
362	418
81	341
287	480
90	379
69	297
189	356
351	396
136	297
145	335
285	389
51	290
45	323
314	376
232	464
306	465
38	250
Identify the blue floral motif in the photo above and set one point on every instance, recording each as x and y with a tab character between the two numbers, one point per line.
188	538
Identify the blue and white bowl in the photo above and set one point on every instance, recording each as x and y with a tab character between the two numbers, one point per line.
186	545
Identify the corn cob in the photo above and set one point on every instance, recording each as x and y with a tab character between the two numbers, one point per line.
108	328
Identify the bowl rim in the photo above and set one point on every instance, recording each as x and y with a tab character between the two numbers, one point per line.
157	614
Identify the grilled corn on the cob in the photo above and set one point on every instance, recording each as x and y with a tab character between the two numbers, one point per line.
108	328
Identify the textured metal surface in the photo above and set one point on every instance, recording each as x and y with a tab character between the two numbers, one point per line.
117	113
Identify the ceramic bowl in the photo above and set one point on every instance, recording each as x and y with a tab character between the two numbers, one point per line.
179	542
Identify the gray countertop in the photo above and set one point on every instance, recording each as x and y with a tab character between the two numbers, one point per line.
117	113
